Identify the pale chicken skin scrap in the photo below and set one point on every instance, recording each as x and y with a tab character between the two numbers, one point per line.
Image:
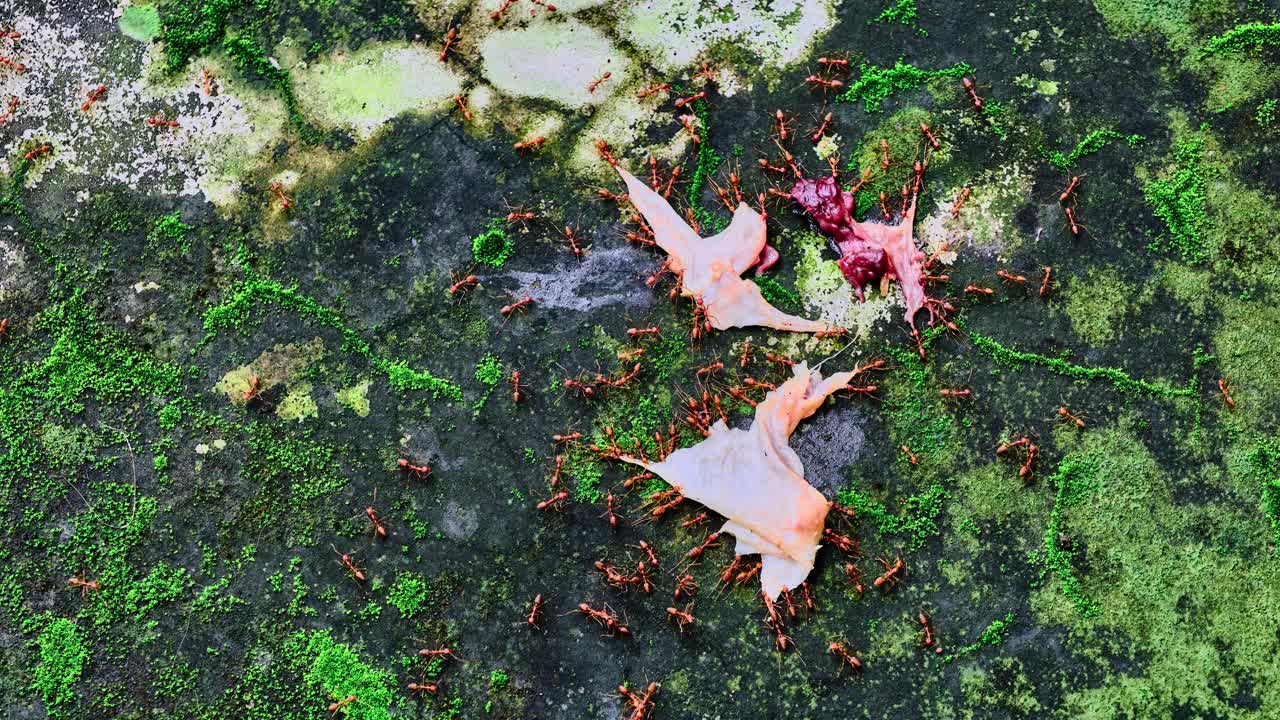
711	267
756	481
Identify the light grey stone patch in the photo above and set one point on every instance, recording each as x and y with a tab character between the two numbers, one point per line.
605	277
830	440
459	523
423	446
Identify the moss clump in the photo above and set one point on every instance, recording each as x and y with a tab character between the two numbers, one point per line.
1092	143
408	594
169	230
1264	467
1097	303
708	163
493	246
1267	112
1244	37
1075	479
1178	199
489	374
190	28
1121	380
902	12
338	670
62	657
777	294
993	635
918	518
875	84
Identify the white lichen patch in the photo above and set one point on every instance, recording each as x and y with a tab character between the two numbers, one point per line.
364	89
675	33
828	296
12	261
986	221
110	141
554	59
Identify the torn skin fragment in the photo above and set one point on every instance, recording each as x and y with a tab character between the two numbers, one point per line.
756	481
868	250
710	268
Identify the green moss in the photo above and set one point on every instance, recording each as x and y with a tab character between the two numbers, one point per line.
993	635
708	163
63	654
1092	143
489	374
1119	379
169	231
1097	303
916	522
140	22
1074	481
191	27
1178	200
875	84
1267	112
244	297
902	12
408	594
498	680
777	294
1248	36
493	246
340	672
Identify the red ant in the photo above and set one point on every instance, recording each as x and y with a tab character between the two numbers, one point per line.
430	688
979	290
555	474
844	543
928	637
379	526
783	123
571	237
449	39
681	102
566	438
462	284
335	707
685	586
1066	414
254	391
636	332
18	67
681	617
960	201
443	653
708	369
516	385
973	94
821	130
520	305
530	145
846	657
544	5
1225	390
834	64
86	586
496	14
631	481
690	124
955	393
695	520
855	577
206	81
553	502
745	576
821	82
605	618
284	200
892	573
93	97
620	198
653	90
347	560
609	512
809	606
640	704
696	553
535	612
1070	191
158	120
1025	471
602	148
884	206
766	167
418	471
38	151
911	457
461	102
4	328
1071	221
14	102
1007	446
928	134
1011	278
596	83
1046	284
833	332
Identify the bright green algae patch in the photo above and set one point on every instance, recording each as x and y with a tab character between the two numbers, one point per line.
63	654
1092	143
1244	37
140	22
1178	199
493	246
875	84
